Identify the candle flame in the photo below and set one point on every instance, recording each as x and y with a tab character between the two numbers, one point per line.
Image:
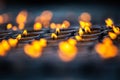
106	49
37	26
109	22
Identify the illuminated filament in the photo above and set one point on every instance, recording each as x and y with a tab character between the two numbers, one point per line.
54	36
19	36
80	32
109	22
25	32
57	30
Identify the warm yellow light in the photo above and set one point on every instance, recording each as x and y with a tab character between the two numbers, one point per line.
12	42
9	26
25	32
112	35
53	35
19	36
106	49
37	26
109	22
80	32
78	38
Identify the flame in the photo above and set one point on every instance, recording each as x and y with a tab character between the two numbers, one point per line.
54	36
37	26
4	18
65	24
9	26
19	36
24	32
5	45
106	49
67	52
86	17
116	30
109	22
12	42
78	38
80	32
112	35
33	52
57	30
14	28
53	26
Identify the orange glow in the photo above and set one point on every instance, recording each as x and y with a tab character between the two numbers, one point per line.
54	36
2	51
45	18
9	26
53	26
14	28
112	35
80	32
33	52
1	19
85	24
21	26
65	24
116	30
5	45
19	36
22	17
72	41
57	30
25	32
67	52
78	38
86	17
43	42
12	42
109	22
37	26
106	49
